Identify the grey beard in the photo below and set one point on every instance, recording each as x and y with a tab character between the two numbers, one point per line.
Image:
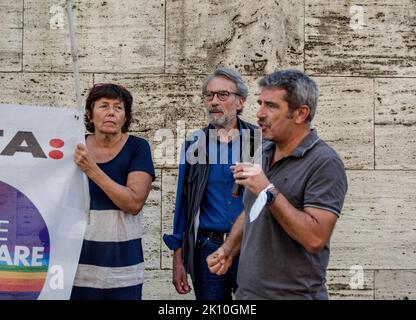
219	122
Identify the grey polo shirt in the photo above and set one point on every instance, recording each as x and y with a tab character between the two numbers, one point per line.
272	265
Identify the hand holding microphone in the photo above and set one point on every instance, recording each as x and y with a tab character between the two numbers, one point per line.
250	176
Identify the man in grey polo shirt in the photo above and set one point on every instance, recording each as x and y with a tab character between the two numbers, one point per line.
291	202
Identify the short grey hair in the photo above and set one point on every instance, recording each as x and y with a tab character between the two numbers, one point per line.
232	75
300	89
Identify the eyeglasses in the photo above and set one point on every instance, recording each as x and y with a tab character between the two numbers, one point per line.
222	95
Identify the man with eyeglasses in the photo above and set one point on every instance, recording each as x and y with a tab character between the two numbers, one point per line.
205	207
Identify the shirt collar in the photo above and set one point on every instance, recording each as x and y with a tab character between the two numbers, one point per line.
306	144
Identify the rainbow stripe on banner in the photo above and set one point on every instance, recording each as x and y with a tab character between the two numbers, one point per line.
19	282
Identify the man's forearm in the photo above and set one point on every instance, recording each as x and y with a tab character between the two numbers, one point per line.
178	256
232	244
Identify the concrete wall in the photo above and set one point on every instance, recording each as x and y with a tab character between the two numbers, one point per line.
363	59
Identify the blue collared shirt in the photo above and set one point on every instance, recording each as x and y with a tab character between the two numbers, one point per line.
218	208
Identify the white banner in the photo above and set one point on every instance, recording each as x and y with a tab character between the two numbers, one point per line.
43	201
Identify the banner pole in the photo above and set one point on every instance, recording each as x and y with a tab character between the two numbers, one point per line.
74	54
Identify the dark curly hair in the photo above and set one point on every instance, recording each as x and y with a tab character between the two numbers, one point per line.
109	91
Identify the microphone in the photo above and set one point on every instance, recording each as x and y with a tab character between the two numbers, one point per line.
236	190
